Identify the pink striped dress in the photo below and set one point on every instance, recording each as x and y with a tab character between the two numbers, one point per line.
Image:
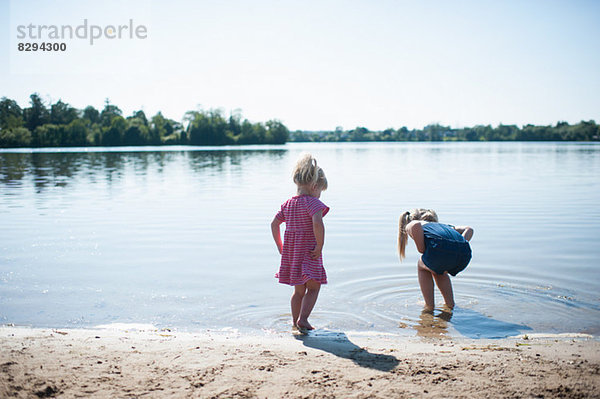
297	267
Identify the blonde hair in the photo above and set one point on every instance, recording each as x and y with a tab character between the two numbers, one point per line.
307	172
427	215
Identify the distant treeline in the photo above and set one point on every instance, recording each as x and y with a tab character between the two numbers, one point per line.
61	125
583	131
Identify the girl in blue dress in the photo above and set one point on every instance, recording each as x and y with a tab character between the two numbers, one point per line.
445	251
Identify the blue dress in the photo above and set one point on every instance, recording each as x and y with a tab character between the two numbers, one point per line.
446	250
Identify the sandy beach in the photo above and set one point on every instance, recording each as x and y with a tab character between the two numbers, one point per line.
163	363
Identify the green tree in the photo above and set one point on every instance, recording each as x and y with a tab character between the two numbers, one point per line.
533	133
76	133
235	122
37	114
483	132
277	133
435	132
507	132
166	131
584	131
136	132
48	135
158	129
401	134
62	113
94	135
471	134
359	134
113	135
11	115
209	128
251	133
387	135
91	114
141	116
15	137
109	113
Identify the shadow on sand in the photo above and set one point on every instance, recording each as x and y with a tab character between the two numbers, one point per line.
337	343
467	322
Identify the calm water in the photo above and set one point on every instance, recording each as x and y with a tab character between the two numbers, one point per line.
179	237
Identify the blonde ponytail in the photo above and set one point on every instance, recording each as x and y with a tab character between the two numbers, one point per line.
307	172
402	236
427	215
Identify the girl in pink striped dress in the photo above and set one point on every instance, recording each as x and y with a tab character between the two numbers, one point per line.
301	258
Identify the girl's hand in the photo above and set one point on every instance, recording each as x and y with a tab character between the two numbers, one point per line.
276	234
315	253
319	230
465	231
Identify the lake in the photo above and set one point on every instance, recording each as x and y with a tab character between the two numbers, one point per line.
179	237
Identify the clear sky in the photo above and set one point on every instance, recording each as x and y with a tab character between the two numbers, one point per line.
316	65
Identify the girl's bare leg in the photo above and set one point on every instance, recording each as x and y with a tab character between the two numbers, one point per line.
308	303
426	284
445	286
299	291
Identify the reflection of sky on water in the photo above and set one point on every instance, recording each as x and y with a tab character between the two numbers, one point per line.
473	324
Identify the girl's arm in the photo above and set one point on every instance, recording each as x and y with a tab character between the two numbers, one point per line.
319	230
466	232
276	233
415	230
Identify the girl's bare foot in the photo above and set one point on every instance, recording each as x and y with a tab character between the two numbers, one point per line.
447	308
304	325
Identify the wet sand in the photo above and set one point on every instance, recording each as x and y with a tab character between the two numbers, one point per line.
157	364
